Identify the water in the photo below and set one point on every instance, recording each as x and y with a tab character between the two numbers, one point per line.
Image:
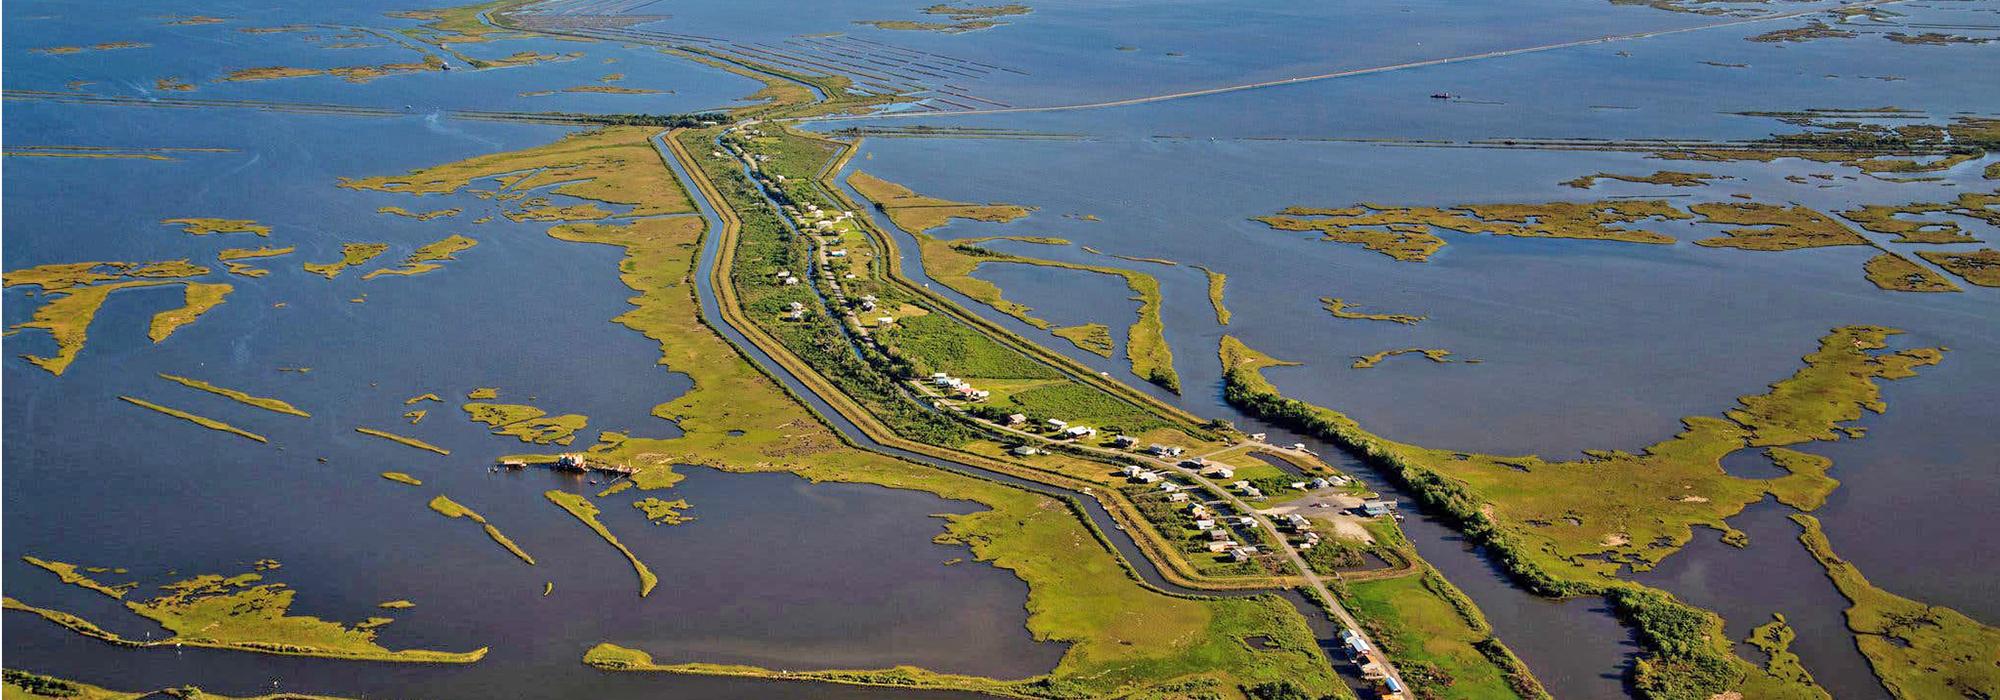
1584	344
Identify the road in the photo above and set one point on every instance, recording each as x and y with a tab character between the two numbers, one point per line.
1347	73
1313	581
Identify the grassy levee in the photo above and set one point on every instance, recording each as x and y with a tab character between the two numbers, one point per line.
1125	636
892	258
1687	655
1177	569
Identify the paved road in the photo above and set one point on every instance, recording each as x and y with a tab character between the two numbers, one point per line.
1350	73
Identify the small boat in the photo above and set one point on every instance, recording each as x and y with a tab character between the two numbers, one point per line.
1440	95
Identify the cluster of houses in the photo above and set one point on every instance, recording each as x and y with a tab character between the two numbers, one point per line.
958	387
1362	654
1063	428
1298	524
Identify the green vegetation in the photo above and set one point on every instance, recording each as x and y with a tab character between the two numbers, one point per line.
241	614
420	216
1404	233
424	258
1437	355
916	213
1121	634
22	685
1216	282
210	423
413	442
402	478
1886	219
1092	337
72	575
1567	528
586	512
1774	638
1917	650
1341	309
67	318
663	512
530	424
1778	227
1980	267
200	298
231	257
952	263
202	226
353	74
613	165
351	254
934	343
268	404
1438	639
1897	274
1814	29
1670	178
451	509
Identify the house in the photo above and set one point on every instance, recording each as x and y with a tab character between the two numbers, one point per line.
1378	508
1240	485
934	375
1016	419
1252	492
1240	554
1131	470
837	253
1163	450
1217	471
1219	546
1257	436
1218	535
1080	432
1148	478
1170	487
1057	423
884	320
1195	463
1320	483
1204	525
942	379
1298	485
1024	451
1124	441
1298	522
1177	497
791	281
1198	510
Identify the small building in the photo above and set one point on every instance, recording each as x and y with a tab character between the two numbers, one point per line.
837	253
1131	470
1024	451
1080	432
884	320
1217	471
1195	463
1253	493
1016	419
1220	546
1148	478
1057	423
791	281
1320	483
1240	554
1257	436
1378	508
1124	441
1218	535
1177	497
1170	487
1198	510
1204	525
1240	485
1298	485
